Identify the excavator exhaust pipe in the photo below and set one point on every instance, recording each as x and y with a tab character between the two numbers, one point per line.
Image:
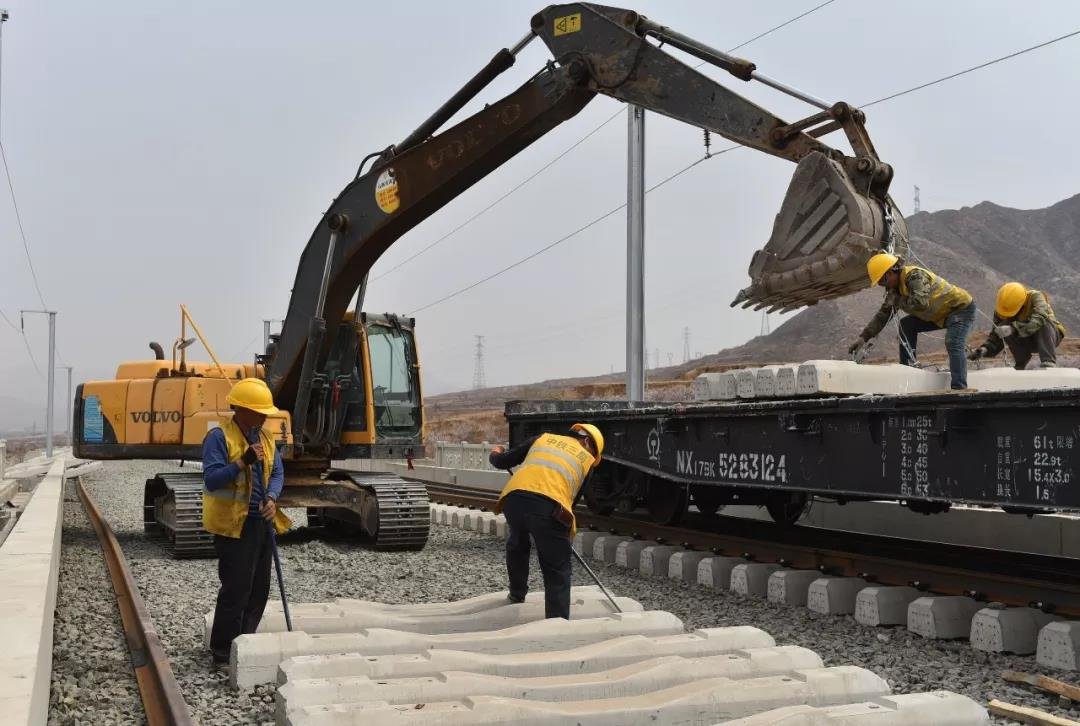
834	217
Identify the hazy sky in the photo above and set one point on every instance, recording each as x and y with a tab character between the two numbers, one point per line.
168	152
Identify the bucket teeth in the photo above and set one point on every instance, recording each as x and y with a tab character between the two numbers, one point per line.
825	232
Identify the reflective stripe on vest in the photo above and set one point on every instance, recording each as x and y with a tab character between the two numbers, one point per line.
555	467
945	297
573	464
226	508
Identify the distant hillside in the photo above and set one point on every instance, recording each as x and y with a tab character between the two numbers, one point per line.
978	248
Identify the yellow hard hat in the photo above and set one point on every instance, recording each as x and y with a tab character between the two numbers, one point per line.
878	265
252	394
1010	298
594	434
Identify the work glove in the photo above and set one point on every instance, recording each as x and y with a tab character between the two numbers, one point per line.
250	456
1004	331
979	352
854	349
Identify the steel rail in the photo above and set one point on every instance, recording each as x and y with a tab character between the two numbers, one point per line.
1010	577
162	701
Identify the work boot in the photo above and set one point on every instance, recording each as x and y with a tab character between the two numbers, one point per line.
510	599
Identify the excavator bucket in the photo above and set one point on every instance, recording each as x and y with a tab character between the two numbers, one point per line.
825	232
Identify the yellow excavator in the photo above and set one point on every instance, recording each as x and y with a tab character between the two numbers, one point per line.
348	381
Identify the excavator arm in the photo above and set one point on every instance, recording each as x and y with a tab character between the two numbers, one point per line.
836	213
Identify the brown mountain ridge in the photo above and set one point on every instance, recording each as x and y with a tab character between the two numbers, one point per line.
978	248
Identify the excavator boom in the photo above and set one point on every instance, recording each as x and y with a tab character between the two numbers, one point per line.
837	212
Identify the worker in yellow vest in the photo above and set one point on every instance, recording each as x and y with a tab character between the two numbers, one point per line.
538	503
1024	321
243	477
931	303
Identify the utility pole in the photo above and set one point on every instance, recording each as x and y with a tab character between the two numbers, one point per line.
4	15
918	205
635	254
69	405
478	377
52	374
686	345
671	359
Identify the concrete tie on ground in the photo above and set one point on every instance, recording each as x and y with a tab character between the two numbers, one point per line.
752	578
703	701
683	565
485	612
29	571
715	572
255	657
944	617
937	708
834	595
628	554
604	547
630	679
1059	645
1008	630
653	561
583	541
789	587
884	605
584	659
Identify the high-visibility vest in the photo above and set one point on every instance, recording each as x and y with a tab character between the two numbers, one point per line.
225	509
945	298
555	467
1024	313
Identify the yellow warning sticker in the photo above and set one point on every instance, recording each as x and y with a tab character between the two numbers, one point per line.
567	24
386	192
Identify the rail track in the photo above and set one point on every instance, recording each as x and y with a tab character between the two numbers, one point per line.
1014	578
162	701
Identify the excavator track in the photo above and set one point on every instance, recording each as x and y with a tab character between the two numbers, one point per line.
172	509
396	512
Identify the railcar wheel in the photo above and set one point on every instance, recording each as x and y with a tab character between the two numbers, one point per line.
666	501
786	508
708	500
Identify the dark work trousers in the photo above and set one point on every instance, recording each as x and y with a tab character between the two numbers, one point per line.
532	515
1044	342
957	327
244	571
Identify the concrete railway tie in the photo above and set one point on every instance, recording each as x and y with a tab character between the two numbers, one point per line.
594	671
484	660
989	626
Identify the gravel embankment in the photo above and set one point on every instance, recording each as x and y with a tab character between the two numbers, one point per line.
459	564
92	678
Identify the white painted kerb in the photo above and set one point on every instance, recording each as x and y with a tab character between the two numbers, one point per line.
29	569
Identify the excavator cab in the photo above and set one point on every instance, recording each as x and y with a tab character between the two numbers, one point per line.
385	416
